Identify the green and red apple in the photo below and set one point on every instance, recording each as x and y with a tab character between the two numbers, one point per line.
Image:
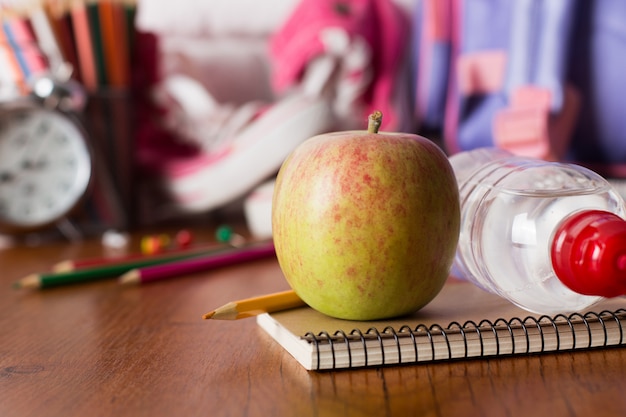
366	223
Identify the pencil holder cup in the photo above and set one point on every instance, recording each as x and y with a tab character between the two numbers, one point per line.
108	119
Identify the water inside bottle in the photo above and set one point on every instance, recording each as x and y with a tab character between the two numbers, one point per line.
508	222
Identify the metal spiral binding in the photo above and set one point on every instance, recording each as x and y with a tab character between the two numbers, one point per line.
513	331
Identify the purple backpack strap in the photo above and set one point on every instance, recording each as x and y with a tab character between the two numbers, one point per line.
542	106
479	43
540	78
431	60
597	66
511	66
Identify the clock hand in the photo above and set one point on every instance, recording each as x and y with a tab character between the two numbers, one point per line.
26	145
34	164
36	159
6	177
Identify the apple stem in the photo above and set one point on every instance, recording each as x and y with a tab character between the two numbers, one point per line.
373	121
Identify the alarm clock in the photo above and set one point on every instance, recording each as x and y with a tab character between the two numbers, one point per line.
45	159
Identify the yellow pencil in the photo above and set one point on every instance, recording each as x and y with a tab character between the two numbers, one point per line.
254	306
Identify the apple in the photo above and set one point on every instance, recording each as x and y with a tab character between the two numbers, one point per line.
366	224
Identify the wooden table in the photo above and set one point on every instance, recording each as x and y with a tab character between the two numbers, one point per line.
99	349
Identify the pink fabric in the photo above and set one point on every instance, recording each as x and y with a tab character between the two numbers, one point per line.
531	96
523	131
437	22
527	127
522	128
381	23
481	72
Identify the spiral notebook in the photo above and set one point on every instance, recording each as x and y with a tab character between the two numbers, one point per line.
462	322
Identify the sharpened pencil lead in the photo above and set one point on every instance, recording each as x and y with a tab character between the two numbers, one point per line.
207	316
131	277
251	307
30	281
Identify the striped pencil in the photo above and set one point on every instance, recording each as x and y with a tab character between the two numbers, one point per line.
199	264
75	264
111	270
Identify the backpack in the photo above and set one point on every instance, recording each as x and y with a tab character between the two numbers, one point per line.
539	78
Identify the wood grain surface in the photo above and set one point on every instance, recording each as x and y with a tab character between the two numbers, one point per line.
101	349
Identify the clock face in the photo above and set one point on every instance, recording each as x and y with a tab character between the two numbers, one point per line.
45	166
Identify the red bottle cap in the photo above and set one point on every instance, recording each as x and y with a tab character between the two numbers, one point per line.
589	253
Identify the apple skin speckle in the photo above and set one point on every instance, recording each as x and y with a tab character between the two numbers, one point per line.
365	225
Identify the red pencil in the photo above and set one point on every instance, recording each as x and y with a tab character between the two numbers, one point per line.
74	264
204	263
84	45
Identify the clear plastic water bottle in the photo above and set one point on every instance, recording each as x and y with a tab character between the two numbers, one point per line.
550	237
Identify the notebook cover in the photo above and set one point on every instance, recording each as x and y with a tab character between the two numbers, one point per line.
460	307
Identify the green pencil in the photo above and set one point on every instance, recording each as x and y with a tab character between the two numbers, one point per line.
114	270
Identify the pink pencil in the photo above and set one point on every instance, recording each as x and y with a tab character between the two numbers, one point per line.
74	264
201	264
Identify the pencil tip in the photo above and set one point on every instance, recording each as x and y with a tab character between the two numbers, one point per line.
207	316
131	277
30	281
